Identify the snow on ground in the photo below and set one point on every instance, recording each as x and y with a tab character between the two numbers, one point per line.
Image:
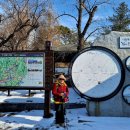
76	119
21	96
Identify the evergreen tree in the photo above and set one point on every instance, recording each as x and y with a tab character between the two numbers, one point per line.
121	19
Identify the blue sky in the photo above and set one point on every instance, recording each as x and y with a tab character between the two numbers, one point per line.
67	6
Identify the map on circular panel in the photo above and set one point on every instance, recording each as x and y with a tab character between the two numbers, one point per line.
128	63
97	73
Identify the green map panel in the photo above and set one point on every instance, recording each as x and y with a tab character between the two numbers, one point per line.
12	70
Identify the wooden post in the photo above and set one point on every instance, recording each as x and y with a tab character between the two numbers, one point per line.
9	92
49	66
29	92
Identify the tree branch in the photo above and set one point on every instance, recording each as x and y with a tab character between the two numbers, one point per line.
67	15
91	34
83	5
17	19
89	20
13	33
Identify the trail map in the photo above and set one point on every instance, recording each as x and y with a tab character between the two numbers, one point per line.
21	71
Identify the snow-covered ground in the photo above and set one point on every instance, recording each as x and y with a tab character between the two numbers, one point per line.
76	119
21	96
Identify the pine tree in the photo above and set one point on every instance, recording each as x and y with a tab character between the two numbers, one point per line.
121	19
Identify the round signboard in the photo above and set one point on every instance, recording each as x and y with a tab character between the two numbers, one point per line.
127	63
97	73
126	94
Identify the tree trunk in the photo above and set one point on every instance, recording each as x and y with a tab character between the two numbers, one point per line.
80	43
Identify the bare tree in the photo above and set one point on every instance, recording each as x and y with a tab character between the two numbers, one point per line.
47	31
85	8
19	18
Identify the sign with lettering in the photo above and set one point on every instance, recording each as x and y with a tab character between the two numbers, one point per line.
124	42
22	69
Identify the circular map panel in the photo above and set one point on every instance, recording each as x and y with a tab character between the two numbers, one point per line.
97	73
126	94
128	63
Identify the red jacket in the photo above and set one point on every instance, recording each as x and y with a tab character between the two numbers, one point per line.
57	90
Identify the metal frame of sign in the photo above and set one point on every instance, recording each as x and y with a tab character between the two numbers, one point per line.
126	63
123	95
120	83
25	54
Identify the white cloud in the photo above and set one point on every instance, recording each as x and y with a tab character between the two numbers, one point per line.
98	18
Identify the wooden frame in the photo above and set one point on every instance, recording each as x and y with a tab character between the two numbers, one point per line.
24	54
49	67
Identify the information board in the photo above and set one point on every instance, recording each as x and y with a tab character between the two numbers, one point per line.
22	69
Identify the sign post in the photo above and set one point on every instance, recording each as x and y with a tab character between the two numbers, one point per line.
49	61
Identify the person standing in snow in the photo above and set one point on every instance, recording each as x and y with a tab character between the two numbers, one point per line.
60	92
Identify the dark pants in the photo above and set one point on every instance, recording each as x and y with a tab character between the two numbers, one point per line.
60	112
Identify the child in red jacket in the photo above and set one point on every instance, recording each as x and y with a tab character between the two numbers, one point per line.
60	92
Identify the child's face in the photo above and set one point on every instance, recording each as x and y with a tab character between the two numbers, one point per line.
61	80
